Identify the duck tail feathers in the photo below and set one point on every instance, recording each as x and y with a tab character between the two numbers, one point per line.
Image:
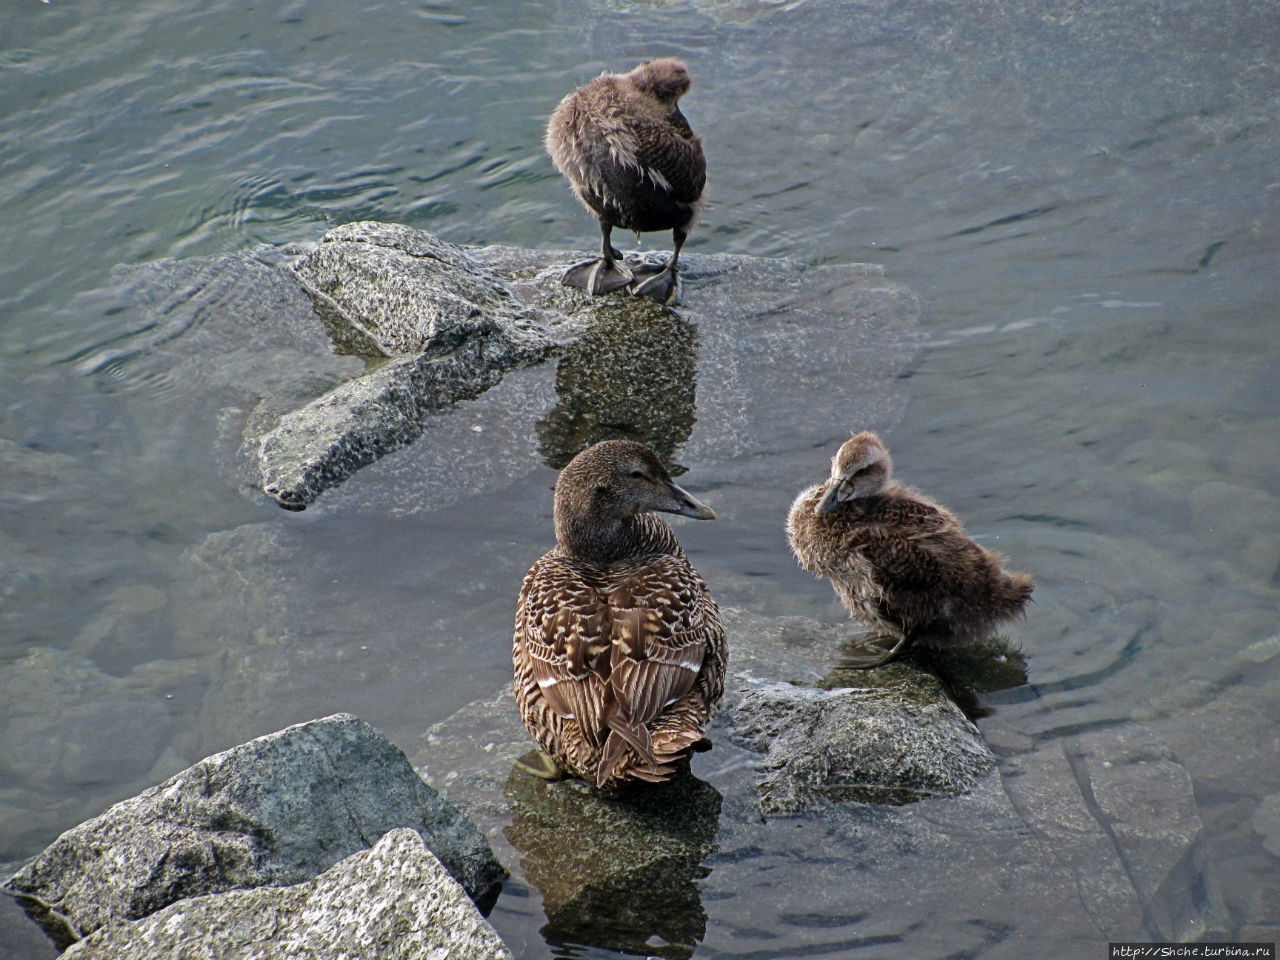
1016	591
624	734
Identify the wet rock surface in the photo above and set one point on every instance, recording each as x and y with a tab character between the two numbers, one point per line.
450	329
1101	833
618	874
327	358
395	900
278	810
893	738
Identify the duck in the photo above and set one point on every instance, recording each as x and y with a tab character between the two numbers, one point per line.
634	162
619	653
900	563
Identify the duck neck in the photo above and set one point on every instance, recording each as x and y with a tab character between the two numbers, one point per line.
603	539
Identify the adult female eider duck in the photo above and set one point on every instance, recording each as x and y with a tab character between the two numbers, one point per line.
619	653
632	159
898	561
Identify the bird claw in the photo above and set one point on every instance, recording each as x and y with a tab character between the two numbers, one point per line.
597	276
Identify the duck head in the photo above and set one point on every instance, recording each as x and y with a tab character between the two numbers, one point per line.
665	79
605	487
860	468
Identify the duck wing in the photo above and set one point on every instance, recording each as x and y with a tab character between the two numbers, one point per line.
903	562
663	623
670	155
564	643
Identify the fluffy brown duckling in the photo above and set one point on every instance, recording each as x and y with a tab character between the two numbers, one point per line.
632	159
899	562
619	653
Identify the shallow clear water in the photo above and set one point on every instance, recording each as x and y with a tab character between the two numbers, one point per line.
1085	196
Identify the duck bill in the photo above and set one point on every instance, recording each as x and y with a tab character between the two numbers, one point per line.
830	500
687	505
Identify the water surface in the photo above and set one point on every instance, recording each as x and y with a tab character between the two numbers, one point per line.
1084	196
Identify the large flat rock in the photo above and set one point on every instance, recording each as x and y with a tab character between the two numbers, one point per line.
304	366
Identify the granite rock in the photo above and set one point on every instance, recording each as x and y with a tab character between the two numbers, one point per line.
275	811
894	738
393	901
444	323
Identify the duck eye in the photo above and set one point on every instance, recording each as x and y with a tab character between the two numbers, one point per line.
638	474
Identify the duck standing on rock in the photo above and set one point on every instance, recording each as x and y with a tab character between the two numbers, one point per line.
632	159
619	653
899	562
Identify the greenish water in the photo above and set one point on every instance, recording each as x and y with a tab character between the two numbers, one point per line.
1084	195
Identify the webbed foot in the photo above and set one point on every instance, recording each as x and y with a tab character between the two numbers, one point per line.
870	652
597	276
663	286
542	767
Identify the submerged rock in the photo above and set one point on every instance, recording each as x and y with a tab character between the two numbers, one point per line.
67	726
617	874
299	367
274	811
395	900
1120	811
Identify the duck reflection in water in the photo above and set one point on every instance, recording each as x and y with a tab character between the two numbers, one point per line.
630	377
615	874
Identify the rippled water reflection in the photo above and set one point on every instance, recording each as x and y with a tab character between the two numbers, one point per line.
1085	196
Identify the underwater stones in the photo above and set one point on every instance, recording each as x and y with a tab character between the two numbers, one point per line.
395	900
66	727
51	734
1266	822
631	374
1244	522
451	322
277	810
1128	822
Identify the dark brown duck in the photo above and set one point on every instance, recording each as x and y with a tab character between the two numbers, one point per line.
899	562
619	654
632	159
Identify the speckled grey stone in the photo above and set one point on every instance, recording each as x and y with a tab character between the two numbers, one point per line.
895	738
277	810
451	322
393	902
302	365
450	327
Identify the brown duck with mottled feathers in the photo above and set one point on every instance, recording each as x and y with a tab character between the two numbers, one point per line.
899	562
633	161
619	653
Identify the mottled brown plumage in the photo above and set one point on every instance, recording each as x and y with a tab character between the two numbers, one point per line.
619	654
632	159
900	562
